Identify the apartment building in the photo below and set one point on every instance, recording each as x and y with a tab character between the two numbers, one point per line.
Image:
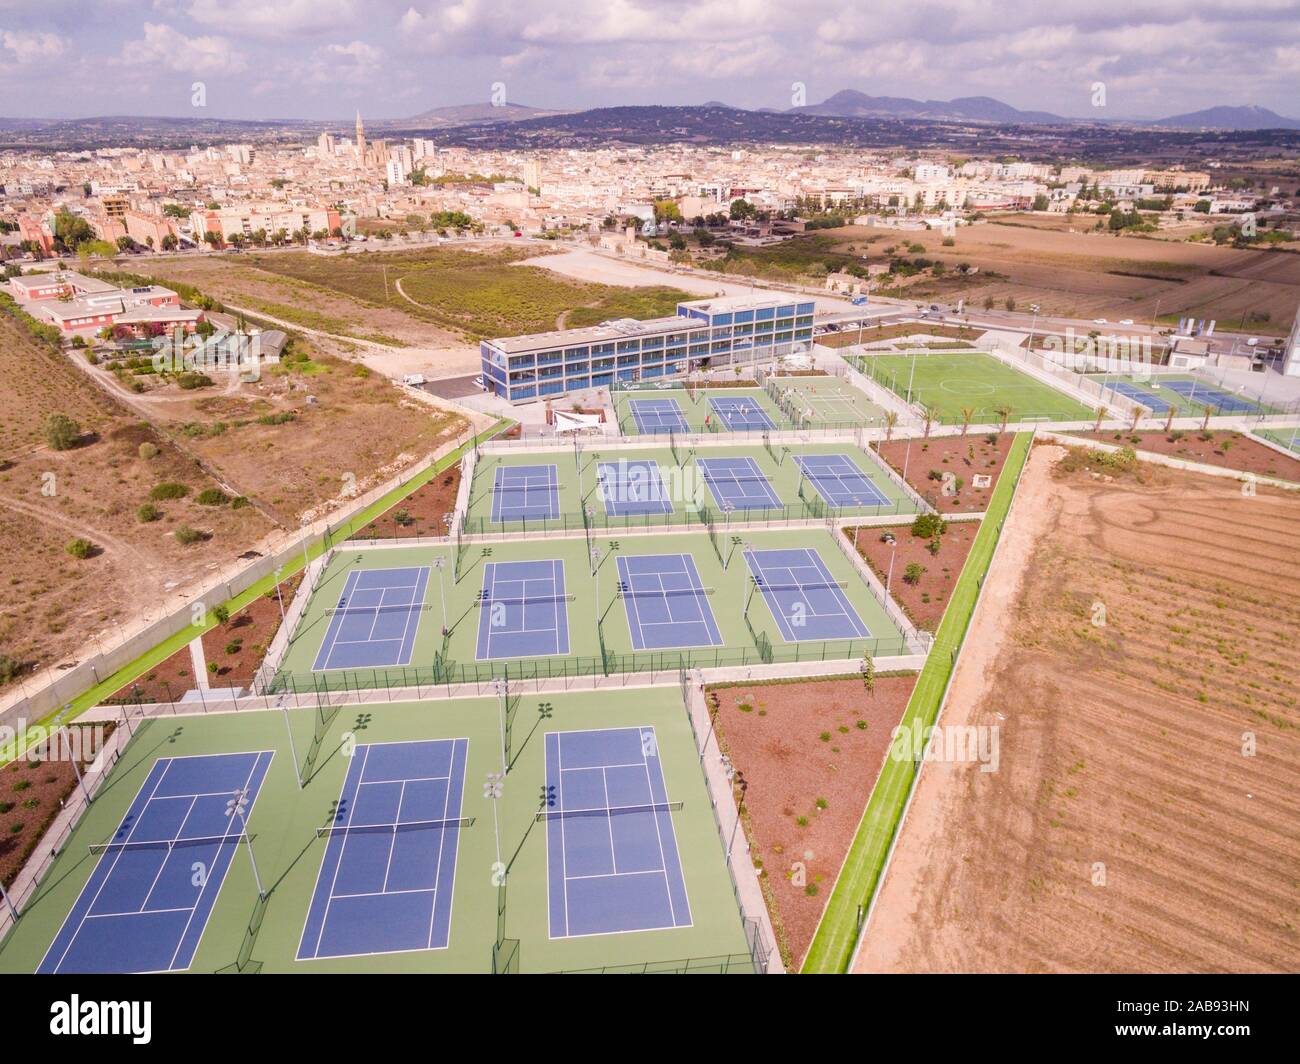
246	219
702	334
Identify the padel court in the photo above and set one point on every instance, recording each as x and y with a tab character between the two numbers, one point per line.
611	851
148	900
375	622
385	883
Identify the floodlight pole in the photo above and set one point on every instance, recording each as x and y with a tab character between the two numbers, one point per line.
595	572
235	808
279	596
440	563
502	690
293	747
81	782
740	809
13	909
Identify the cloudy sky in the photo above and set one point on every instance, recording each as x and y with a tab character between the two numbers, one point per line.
391	58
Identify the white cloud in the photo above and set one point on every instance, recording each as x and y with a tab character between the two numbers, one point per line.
33	47
163	45
277	18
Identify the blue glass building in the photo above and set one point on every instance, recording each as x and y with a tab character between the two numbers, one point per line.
704	334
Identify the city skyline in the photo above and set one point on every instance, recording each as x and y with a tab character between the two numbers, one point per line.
322	61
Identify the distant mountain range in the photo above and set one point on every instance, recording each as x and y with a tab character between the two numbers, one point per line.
1230	118
847	117
467	114
850	103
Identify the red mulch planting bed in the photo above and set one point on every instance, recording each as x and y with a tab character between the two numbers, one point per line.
31	794
944	454
799	744
254	627
248	633
924	601
1243	453
420	513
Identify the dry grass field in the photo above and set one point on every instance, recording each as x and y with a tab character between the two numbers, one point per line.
54	604
1143	817
1083	274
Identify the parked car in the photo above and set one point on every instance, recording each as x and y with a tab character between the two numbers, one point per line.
1126	321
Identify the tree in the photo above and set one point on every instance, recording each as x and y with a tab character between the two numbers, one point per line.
967	413
169	242
913	573
928	416
1101	416
61	432
891	419
1004	415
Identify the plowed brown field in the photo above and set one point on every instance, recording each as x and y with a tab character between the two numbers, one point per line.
1131	825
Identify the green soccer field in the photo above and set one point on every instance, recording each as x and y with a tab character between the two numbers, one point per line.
284	819
696	412
1285	437
948	382
683	486
744	621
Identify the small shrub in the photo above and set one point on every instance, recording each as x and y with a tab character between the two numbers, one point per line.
186	535
148	512
239	502
212	497
913	573
80	548
221	613
169	490
148	451
928	526
61	432
190	380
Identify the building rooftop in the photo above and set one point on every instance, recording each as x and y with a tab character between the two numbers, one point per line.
619	329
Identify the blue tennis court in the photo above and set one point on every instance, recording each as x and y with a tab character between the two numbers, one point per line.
526	493
658	415
611	852
738	484
628	488
376	619
1215	398
523	611
1140	395
840	480
385	884
739	413
147	903
804	598
665	602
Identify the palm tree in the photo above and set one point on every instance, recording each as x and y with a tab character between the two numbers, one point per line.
966	414
1137	416
1102	413
928	416
1004	415
1169	421
891	419
1205	421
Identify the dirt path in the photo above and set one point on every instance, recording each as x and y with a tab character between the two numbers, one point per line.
1127	827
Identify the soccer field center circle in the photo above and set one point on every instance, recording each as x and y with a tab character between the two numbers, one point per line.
966	386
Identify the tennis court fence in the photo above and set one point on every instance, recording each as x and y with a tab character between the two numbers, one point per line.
809	508
446	672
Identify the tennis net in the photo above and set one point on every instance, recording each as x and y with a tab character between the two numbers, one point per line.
522	600
367	611
606	811
125	845
330	830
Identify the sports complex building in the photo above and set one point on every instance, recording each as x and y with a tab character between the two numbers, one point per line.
704	333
